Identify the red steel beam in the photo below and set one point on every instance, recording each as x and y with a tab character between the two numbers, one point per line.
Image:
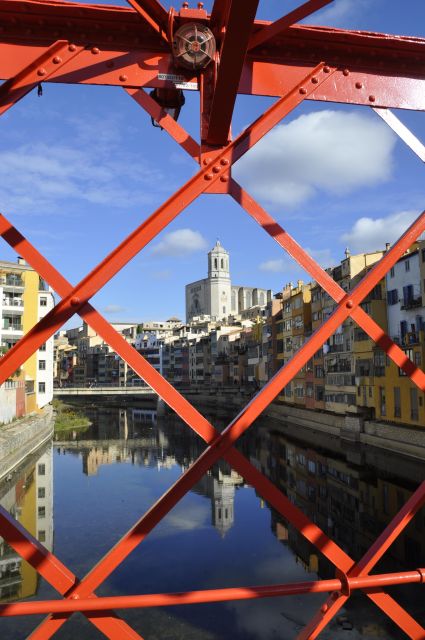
166	122
285	240
364	566
56	573
241	423
154	9
39	70
211	595
148	16
143	234
239	23
218	16
276	28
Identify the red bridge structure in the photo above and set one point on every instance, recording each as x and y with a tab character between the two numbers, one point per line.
222	55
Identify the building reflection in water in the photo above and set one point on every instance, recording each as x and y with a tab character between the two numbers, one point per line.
27	495
351	495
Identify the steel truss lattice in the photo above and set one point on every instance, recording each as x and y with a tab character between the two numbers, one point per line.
95	44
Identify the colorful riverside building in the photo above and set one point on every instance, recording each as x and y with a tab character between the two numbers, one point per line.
24	299
399	399
351	374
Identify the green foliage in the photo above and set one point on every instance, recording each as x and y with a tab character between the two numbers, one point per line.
68	418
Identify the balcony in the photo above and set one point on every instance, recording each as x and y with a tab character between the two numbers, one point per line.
13	328
412	303
11	281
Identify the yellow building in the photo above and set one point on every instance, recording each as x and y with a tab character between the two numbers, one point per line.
24	299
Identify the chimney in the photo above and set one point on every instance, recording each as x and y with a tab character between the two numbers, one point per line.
387	246
300	284
21	260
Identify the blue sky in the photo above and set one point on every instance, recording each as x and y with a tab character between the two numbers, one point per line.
81	167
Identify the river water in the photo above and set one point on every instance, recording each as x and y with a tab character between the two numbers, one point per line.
81	493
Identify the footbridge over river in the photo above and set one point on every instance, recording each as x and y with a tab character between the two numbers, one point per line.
95	391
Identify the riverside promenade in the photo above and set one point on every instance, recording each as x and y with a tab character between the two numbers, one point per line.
22	437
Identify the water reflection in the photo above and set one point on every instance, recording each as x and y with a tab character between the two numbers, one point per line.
220	534
27	495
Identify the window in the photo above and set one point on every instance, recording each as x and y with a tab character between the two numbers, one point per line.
382	402
41	492
407	265
392	296
41	512
42	347
392	272
41	469
41	387
43	301
414	410
42	536
397	402
42	365
418	359
423	255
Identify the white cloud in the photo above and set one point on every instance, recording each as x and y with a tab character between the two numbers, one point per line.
371	234
330	151
114	308
180	243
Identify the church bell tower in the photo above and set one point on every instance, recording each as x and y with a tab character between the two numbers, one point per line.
218	262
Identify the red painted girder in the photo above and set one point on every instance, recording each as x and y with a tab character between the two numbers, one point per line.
57	574
218	16
279	26
154	9
364	566
240	19
39	70
159	26
140	69
383	580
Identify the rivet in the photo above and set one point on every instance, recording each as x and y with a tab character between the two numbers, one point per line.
75	596
359	85
206	161
372	98
224	162
216	168
57	60
346	72
41	72
324	608
72	47
303	91
75	301
314	80
349	304
326	69
95	50
123	77
208	176
185	5
224	178
200	5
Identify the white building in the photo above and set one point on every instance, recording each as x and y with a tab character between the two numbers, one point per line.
406	316
216	296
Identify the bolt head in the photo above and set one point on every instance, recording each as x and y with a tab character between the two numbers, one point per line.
75	301
326	69
372	98
95	50
123	77
216	169
57	60
208	176
303	91
41	72
224	179
324	608
349	304
206	161
224	162
359	85
314	80
72	47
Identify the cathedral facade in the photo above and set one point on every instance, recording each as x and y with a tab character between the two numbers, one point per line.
216	296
